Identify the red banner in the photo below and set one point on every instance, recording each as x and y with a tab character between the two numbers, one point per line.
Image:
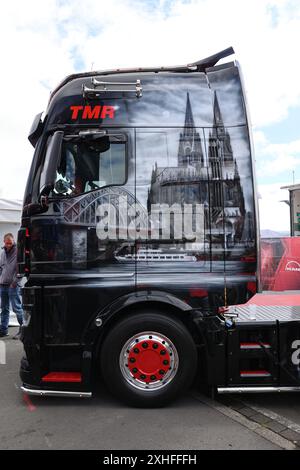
280	263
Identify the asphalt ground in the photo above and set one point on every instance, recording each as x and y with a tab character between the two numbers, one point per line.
194	422
284	405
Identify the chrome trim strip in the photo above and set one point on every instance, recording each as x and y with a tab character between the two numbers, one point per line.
250	375
82	276
55	393
223	390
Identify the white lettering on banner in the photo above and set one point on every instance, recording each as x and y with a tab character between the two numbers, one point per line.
292	266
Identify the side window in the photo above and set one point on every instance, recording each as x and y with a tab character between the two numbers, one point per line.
86	165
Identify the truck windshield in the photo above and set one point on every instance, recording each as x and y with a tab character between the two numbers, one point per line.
90	164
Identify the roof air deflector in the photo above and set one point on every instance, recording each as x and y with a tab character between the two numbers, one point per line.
212	60
199	66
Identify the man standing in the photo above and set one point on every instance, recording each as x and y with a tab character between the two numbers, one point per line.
9	288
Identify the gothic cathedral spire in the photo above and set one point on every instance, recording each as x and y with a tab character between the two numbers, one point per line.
190	148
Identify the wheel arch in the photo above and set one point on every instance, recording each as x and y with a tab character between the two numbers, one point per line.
133	305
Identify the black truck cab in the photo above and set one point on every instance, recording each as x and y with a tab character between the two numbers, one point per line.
139	229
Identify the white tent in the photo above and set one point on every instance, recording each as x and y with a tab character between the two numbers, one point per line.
10	217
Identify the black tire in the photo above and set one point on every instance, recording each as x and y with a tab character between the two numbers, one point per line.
172	338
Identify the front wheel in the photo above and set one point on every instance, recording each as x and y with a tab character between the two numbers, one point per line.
148	359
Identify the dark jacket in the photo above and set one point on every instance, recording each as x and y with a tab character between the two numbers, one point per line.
8	266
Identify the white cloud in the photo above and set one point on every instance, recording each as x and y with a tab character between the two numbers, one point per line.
43	41
273	213
275	159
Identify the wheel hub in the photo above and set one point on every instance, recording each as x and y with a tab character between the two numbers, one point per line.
149	361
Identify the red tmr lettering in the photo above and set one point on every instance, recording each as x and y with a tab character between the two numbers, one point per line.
75	110
95	112
108	111
91	113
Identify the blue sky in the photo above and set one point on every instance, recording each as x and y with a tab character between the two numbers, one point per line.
282	133
286	130
54	38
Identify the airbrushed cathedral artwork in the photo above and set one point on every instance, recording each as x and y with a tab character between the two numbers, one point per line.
179	197
211	179
204	175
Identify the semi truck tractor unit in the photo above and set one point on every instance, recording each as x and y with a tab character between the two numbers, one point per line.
139	235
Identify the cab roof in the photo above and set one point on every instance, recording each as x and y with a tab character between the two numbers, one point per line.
198	66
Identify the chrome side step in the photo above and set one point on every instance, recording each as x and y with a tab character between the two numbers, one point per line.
55	393
223	390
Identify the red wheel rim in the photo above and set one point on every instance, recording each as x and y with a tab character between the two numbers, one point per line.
149	360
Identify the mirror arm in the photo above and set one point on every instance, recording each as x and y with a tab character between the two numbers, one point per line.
33	208
44	201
